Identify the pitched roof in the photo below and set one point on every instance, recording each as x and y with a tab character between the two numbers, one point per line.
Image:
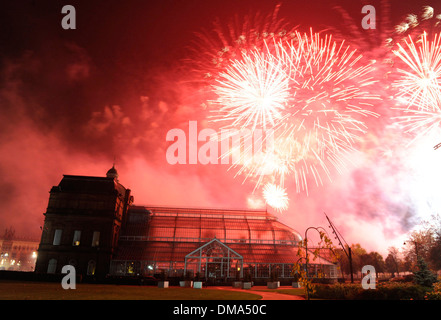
87	184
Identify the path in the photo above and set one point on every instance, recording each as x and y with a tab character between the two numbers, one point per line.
266	295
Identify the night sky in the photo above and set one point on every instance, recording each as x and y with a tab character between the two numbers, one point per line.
72	101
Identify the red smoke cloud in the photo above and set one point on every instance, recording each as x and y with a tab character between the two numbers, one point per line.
72	102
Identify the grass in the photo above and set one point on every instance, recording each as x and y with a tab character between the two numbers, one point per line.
28	290
293	291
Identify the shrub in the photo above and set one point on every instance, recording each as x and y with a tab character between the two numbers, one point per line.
383	291
405	278
434	294
401	291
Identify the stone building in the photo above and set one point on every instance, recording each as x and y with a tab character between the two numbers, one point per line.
82	224
17	253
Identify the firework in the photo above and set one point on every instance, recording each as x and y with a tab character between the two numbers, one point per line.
214	50
420	83
314	94
330	96
252	91
276	196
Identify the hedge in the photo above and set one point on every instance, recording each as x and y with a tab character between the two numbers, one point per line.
383	291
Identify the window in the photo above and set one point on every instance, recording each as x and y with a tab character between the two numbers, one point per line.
52	266
76	238
96	239
91	265
57	237
73	262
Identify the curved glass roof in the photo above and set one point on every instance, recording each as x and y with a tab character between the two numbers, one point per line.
201	225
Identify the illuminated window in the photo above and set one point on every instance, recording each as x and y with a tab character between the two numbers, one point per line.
91	265
76	238
96	239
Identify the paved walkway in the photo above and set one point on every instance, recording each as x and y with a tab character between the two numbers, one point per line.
266	295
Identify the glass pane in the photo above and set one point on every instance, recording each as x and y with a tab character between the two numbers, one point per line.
52	266
96	239
57	237
76	238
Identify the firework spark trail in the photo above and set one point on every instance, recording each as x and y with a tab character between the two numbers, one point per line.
213	51
420	86
415	25
420	121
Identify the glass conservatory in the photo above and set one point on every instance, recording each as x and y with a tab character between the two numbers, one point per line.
210	243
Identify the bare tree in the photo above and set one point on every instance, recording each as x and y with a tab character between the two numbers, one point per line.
393	261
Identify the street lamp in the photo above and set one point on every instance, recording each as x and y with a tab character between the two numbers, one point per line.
306	255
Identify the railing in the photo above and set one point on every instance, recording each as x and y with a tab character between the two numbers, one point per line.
215	215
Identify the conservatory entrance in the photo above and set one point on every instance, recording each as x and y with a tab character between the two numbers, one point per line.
214	260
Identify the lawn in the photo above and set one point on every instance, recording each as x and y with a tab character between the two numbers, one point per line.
293	291
28	290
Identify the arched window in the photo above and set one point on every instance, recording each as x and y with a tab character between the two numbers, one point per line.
57	237
52	266
73	262
96	239
91	268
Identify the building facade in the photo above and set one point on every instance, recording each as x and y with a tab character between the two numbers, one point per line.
92	224
17	253
214	244
82	224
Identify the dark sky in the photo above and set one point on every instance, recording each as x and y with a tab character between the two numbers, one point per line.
72	100
123	50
